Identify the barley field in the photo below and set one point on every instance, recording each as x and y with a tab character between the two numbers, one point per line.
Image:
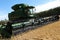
47	32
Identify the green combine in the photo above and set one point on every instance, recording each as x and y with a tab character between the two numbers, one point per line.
23	13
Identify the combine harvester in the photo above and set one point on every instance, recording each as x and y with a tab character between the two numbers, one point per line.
23	16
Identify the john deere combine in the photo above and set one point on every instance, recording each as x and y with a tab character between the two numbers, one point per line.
23	12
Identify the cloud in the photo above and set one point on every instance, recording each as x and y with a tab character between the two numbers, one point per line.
47	6
3	15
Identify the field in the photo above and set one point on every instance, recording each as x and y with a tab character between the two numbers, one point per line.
47	32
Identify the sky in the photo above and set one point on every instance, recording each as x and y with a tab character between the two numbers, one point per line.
40	5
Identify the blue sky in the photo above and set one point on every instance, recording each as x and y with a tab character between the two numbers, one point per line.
40	5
